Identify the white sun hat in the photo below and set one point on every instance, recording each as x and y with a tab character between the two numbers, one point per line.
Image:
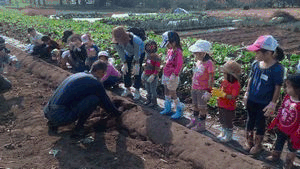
201	46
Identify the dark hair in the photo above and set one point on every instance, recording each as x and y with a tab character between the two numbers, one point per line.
295	82
75	37
206	57
98	65
45	38
151	46
174	37
278	53
66	35
231	78
30	30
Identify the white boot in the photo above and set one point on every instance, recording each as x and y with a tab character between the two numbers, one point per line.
222	134
228	135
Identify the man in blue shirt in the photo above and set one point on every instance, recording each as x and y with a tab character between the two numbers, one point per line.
77	97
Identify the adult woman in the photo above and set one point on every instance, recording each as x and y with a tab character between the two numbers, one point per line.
132	53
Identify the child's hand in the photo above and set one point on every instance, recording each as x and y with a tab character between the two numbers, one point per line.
206	96
269	109
124	68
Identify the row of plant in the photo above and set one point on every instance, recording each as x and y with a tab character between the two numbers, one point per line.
15	24
162	22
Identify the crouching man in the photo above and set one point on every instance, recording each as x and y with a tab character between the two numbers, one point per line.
76	98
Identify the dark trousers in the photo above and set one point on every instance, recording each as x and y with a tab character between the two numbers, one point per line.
111	81
256	117
127	77
226	117
280	141
5	84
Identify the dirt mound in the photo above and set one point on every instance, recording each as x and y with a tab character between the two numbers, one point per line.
287	17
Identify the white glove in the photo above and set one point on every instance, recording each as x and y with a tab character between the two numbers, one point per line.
206	96
151	78
125	68
136	69
245	99
172	77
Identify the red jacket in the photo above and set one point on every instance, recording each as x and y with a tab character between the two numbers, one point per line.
288	120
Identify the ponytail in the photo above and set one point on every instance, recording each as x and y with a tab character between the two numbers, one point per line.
279	54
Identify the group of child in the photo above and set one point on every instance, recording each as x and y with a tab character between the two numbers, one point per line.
262	92
75	52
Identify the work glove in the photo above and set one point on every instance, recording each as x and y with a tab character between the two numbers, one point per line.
206	96
124	69
245	99
136	69
151	78
269	109
172	77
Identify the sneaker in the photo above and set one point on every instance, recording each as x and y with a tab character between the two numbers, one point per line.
125	93
192	123
200	126
136	94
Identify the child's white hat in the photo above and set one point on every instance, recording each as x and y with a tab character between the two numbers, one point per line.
201	46
103	53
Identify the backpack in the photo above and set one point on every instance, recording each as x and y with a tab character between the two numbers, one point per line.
140	32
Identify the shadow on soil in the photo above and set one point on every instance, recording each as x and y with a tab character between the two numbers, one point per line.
5	106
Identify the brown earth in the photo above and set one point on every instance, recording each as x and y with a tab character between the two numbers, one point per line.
288	40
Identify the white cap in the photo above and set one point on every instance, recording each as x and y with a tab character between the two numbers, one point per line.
165	40
85	38
201	46
103	53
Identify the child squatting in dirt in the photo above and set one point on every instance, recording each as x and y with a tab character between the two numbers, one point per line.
76	98
5	60
201	84
287	122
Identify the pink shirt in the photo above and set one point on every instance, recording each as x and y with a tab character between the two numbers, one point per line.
201	75
111	71
174	62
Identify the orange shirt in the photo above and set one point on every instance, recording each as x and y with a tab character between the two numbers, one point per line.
230	89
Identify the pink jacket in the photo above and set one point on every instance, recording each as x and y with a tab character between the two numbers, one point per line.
174	62
111	71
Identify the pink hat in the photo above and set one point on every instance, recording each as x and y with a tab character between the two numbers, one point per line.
267	42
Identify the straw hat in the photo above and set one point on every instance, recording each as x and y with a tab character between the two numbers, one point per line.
119	35
233	68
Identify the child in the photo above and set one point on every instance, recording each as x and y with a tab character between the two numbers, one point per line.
35	40
288	122
112	75
231	88
150	75
91	48
5	59
78	54
202	83
263	88
49	45
171	71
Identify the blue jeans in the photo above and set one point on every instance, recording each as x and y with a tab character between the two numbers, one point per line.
280	141
127	77
256	117
5	84
111	81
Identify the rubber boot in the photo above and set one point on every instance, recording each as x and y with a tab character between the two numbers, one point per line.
200	126
249	141
153	102
228	135
275	156
257	148
290	157
193	122
168	104
222	134
179	110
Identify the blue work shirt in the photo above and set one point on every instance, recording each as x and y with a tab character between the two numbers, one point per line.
75	88
263	82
